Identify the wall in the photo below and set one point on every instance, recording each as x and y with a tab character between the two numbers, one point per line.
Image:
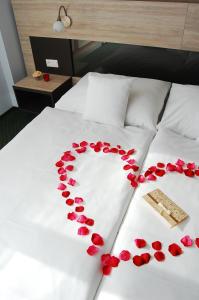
11	40
7	97
11	55
150	23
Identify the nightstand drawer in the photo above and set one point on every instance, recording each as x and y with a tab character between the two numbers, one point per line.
33	101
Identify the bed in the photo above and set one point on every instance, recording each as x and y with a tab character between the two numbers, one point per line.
41	255
43	250
176	277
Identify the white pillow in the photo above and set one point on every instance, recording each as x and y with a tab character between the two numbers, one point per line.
182	111
107	99
75	99
146	101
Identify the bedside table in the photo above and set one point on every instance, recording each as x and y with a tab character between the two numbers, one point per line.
34	95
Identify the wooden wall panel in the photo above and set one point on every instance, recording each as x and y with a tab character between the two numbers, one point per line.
191	32
149	23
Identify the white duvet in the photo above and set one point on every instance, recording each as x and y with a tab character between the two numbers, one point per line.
41	255
177	277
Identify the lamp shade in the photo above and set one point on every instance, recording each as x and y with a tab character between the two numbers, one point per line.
58	26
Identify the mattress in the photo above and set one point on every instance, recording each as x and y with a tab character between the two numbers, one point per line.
176	277
41	255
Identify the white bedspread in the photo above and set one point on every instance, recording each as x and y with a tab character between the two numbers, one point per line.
41	255
177	277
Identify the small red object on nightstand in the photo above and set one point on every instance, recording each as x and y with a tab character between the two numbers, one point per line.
46	77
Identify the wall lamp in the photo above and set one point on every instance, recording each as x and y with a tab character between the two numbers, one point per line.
62	22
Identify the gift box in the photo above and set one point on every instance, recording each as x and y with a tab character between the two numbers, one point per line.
167	208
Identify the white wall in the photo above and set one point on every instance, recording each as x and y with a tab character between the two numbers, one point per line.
5	102
12	58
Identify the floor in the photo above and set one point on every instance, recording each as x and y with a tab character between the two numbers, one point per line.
13	121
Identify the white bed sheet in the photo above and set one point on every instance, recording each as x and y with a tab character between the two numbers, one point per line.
41	255
177	277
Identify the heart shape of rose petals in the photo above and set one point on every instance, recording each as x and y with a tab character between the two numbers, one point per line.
151	174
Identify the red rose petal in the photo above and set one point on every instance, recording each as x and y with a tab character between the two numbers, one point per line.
97	239
131	151
138	261
106	150
71	158
97	149
135	168
145	257
114	150
81	150
131	161
99	144
180	163
141	179
82	219
134	184
61	187
127	167
125	255
152	169
75	145
170	167
191	166
70	168
122	152
160	172
63	177
106	259
152	177
147	173
197	172
79	200
189	173
124	157
83	144
140	243
131	176
83	230
114	261
72	216
92	145
157	245
197	242
175	250
72	182
61	171
79	208
66	157
92	250
59	164
69	202
65	194
159	256
89	222
160	165
107	144
179	169
187	241
67	152
106	270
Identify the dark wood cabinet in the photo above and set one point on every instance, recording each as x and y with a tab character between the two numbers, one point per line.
34	95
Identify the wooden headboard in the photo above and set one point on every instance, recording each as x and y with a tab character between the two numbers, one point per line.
170	24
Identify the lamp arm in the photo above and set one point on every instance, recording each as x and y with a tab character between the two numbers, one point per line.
59	13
